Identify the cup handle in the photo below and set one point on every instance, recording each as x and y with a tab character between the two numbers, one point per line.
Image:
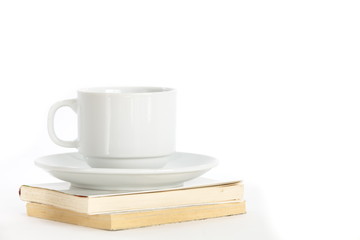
72	103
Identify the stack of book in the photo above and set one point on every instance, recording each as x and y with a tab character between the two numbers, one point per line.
115	210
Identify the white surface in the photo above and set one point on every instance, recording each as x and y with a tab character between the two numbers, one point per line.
180	167
117	126
270	88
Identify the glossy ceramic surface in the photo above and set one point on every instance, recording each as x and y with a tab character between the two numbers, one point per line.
180	167
124	123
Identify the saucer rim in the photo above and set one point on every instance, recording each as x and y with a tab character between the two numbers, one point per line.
213	162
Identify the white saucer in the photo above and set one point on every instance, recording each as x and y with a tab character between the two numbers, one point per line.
181	167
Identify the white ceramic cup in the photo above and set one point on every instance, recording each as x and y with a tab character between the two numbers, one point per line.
122	127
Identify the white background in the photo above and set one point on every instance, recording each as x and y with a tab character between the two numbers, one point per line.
270	88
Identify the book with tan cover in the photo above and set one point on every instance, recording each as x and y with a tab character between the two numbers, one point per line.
63	195
136	219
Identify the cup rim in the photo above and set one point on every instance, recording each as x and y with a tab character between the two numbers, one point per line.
126	90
